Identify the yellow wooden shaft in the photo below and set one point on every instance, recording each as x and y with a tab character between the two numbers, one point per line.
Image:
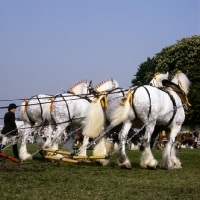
88	157
97	157
61	159
52	157
57	151
69	160
80	157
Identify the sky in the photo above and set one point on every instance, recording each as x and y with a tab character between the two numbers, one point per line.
48	44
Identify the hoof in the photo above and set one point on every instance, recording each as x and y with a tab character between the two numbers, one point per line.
102	162
151	167
98	163
142	165
126	167
177	167
152	164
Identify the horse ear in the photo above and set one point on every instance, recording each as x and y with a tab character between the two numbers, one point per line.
90	83
111	79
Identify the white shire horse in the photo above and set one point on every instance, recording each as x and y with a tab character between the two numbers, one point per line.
71	110
151	106
96	122
32	112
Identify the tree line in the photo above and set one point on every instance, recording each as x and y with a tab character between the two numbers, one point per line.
184	56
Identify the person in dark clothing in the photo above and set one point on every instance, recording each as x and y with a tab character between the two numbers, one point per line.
10	129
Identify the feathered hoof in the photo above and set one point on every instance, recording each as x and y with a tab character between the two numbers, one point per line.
143	165
177	167
169	167
102	162
125	165
26	156
149	165
152	165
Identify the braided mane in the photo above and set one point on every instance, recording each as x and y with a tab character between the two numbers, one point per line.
100	84
71	89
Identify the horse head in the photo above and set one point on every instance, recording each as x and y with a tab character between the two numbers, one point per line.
106	85
158	78
82	87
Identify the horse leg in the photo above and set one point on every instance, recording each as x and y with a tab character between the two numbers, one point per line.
123	161
48	135
68	146
147	159
23	152
83	148
175	160
102	149
169	159
57	136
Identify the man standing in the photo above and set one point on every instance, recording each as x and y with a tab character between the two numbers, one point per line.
10	129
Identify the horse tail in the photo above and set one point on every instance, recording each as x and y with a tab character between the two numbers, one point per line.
182	80
46	114
95	119
122	112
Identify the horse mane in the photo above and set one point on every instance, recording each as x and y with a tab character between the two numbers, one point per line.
157	79
71	89
182	80
103	82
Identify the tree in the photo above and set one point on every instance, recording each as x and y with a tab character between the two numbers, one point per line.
145	72
185	56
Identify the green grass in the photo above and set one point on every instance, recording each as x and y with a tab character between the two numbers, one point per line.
90	181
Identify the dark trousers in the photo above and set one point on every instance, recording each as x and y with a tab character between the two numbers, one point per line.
15	151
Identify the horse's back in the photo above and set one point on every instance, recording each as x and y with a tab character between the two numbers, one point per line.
37	106
152	103
68	108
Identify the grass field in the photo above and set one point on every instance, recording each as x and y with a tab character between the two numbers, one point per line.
90	181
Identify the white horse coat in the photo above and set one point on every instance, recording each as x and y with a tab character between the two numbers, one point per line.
96	116
35	110
155	108
61	111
